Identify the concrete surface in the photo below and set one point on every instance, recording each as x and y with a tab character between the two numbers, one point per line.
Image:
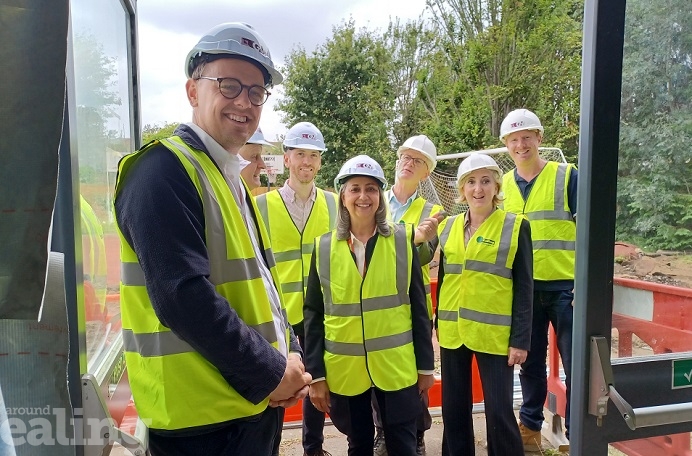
335	442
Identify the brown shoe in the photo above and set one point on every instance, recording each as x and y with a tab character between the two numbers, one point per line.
530	439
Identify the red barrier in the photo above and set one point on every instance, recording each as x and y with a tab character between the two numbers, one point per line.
659	315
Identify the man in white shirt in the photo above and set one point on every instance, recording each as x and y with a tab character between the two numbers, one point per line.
295	215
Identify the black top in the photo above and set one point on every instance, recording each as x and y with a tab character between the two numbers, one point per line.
522	289
161	216
313	312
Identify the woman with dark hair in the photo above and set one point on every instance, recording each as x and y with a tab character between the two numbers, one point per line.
366	322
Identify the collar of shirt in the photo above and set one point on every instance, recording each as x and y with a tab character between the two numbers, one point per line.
290	195
228	163
396	208
358	249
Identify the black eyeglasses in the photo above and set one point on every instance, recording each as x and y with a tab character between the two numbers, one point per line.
231	88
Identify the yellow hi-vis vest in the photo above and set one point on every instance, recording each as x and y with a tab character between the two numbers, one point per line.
293	249
418	211
367	320
553	229
96	264
475	301
175	387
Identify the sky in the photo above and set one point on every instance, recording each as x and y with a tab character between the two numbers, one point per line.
168	29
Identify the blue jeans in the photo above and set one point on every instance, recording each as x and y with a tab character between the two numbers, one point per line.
553	307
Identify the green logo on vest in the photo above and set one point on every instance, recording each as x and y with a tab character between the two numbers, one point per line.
482	240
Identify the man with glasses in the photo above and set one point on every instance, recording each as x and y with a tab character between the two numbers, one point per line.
209	353
295	215
417	158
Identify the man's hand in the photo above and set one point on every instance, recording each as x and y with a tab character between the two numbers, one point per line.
319	396
516	356
293	385
290	402
427	230
425	382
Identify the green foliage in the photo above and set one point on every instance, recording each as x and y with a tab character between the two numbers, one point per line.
654	185
339	87
502	55
456	75
151	132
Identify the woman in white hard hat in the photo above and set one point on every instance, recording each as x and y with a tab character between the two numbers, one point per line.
485	290
251	162
366	322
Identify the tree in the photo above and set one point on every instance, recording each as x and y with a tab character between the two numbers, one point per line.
500	55
342	88
151	132
411	46
97	99
655	184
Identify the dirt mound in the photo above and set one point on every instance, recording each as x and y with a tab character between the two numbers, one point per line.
669	268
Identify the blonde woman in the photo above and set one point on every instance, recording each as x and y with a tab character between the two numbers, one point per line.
485	290
367	329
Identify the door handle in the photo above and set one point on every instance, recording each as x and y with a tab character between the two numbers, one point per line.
602	388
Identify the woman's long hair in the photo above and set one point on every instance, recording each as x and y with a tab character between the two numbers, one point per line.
343	219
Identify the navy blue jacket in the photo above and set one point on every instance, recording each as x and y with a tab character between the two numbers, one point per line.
160	214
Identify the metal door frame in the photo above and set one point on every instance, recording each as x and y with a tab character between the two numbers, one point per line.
604	30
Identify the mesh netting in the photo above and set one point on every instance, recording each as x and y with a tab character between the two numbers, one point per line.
441	187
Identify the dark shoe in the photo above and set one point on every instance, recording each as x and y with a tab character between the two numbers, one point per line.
379	448
420	444
319	452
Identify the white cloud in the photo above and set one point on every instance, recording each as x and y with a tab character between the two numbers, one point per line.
168	29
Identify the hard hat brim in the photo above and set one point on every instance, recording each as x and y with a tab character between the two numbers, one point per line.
305	146
276	77
507	133
497	170
432	163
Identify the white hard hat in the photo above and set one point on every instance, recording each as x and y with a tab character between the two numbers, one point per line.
422	144
258	138
304	135
518	120
234	38
243	163
478	161
362	165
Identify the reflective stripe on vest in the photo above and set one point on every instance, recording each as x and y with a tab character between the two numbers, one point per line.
419	210
553	230
368	335
482	291
163	368
293	263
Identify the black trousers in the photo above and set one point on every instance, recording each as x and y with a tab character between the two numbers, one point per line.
313	419
497	379
423	422
253	437
352	415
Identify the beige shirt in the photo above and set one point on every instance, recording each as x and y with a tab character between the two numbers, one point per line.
358	249
297	209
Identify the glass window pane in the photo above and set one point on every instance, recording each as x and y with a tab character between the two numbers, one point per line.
105	134
653	274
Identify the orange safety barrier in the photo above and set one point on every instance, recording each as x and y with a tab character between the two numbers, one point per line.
658	315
